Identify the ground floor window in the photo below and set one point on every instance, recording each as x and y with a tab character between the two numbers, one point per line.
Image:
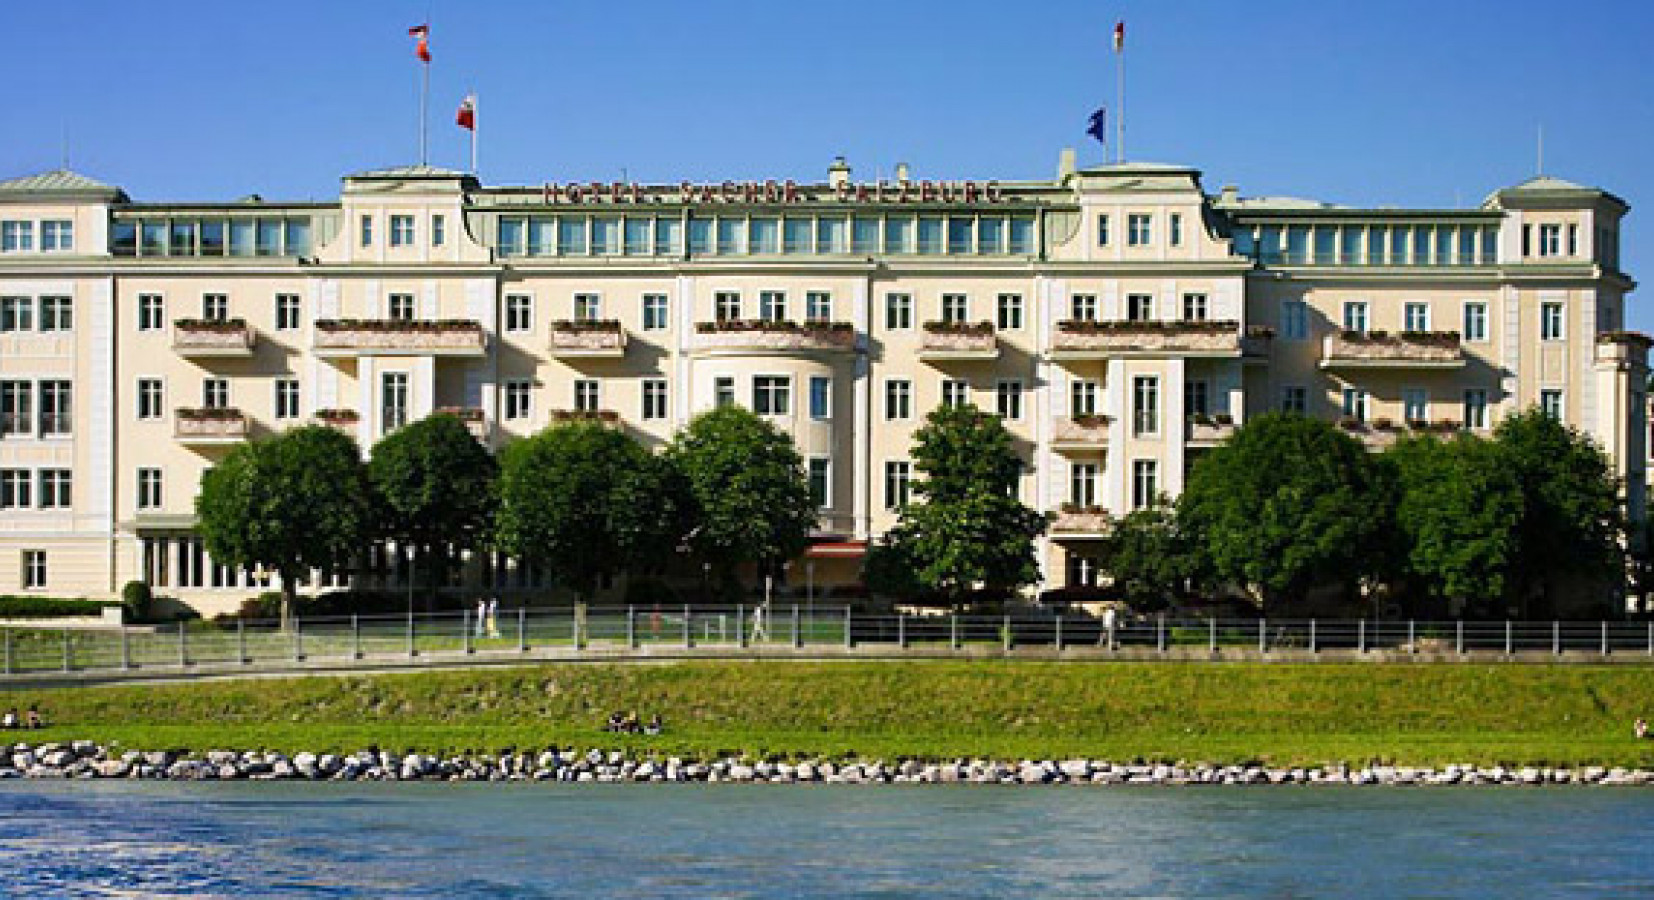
34	568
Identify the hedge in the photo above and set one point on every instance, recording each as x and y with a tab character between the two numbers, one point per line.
50	607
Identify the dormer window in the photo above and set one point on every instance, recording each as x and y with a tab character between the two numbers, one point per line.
16	237
1550	240
439	230
1139	229
402	231
1176	225
57	234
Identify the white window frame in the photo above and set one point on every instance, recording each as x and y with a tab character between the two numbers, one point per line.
152	312
1357	316
1355	404
1294	320
1140	308
726	306
826	468
401	306
898	311
776	389
1145	419
289	312
955	392
56	313
818	306
1475	311
215	307
655	400
826	412
1008	399
150	486
34	570
1082	307
588	394
1475	401
1553	321
1083	394
1083	478
1553	402
519	312
1009	312
723	391
657	312
898	399
1197	307
898	483
1139	229
402	230
588	306
1415	399
289	387
518	399
1144	470
1415	316
159	395
956	307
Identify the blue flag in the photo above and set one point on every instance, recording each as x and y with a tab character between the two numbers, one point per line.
1099	125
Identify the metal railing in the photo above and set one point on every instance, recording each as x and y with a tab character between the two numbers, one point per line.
782	629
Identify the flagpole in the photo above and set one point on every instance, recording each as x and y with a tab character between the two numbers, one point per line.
424	109
1120	102
473	133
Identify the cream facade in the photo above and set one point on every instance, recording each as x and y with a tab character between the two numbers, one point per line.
1121	319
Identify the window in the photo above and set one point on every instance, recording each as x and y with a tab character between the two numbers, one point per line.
1139	307
1138	229
654	399
439	230
16	314
1081	570
287	398
818	306
1527	240
16	237
1475	408
1177	229
1196	398
16	489
1415	405
821	397
1145	482
393	400
56	408
898	311
821	493
1008	400
287	312
402	231
1294	399
588	307
1082	484
517	398
955	392
1416	317
519	312
587	395
1083	307
34	568
1475	321
151	312
401	307
723	391
1355	404
151	398
1010	311
1102	230
1195	308
898	399
16	416
727	306
1145	405
1573	240
215	393
1083	398
654	312
57	314
771	395
57	234
215	307
772	306
367	230
149	488
1550	240
56	489
897	474
1550	321
1550	402
1294	320
1355	316
955	308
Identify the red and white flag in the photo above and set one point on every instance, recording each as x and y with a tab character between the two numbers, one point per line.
466	118
423	48
1120	36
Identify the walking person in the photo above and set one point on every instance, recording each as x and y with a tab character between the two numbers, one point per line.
481	627
493	617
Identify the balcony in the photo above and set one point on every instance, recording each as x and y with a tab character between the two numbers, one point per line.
1622	349
735	336
196	338
209	426
344	420
1207	431
475	421
1085	339
1080	433
606	417
1380	434
945	341
398	337
1382	350
592	339
1081	522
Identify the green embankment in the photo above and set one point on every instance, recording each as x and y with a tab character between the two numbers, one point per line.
1280	714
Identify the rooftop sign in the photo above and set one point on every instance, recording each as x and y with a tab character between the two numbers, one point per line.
774	192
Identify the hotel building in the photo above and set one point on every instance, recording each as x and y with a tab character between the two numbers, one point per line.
1121	319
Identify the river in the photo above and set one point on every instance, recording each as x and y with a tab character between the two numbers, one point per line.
126	839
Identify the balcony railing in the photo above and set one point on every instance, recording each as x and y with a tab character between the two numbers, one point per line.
959	341
1381	350
475	421
600	416
592	338
399	337
1380	433
344	420
1081	520
1080	432
210	425
208	337
762	336
1081	339
1208	430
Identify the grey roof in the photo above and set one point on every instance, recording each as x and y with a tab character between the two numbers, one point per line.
57	181
1268	203
1549	183
409	172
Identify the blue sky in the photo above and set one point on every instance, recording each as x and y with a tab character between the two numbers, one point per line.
1406	103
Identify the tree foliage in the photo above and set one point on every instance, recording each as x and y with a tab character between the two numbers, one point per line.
751	497
436	486
1150	558
294	502
1286	504
965	530
1458	511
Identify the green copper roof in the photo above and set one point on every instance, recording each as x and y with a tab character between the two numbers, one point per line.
58	181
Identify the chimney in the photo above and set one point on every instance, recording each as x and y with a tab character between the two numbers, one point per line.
1065	163
838	174
1230	195
902	172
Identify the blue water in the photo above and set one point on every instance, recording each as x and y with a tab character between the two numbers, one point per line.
124	839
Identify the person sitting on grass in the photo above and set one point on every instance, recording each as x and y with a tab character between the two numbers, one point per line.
654	726
1641	728
11	721
32	718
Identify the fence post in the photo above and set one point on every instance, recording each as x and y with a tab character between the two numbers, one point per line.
1509	644
1005	634
688	635
1312	636
798	636
901	631
1160	633
183	646
1412	638
849	632
740	625
1605	637
522	629
68	663
126	651
1361	635
241	640
1212	635
8	649
1059	632
1651	637
411	651
953	632
1263	636
631	627
1458	641
465	630
355	637
298	640
1556	638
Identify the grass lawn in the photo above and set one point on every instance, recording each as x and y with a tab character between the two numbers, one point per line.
1279	714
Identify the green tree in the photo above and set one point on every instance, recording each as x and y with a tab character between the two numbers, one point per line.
1288	503
1458	515
965	530
1151	558
652	512
436	489
1572	521
565	498
752	498
292	503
